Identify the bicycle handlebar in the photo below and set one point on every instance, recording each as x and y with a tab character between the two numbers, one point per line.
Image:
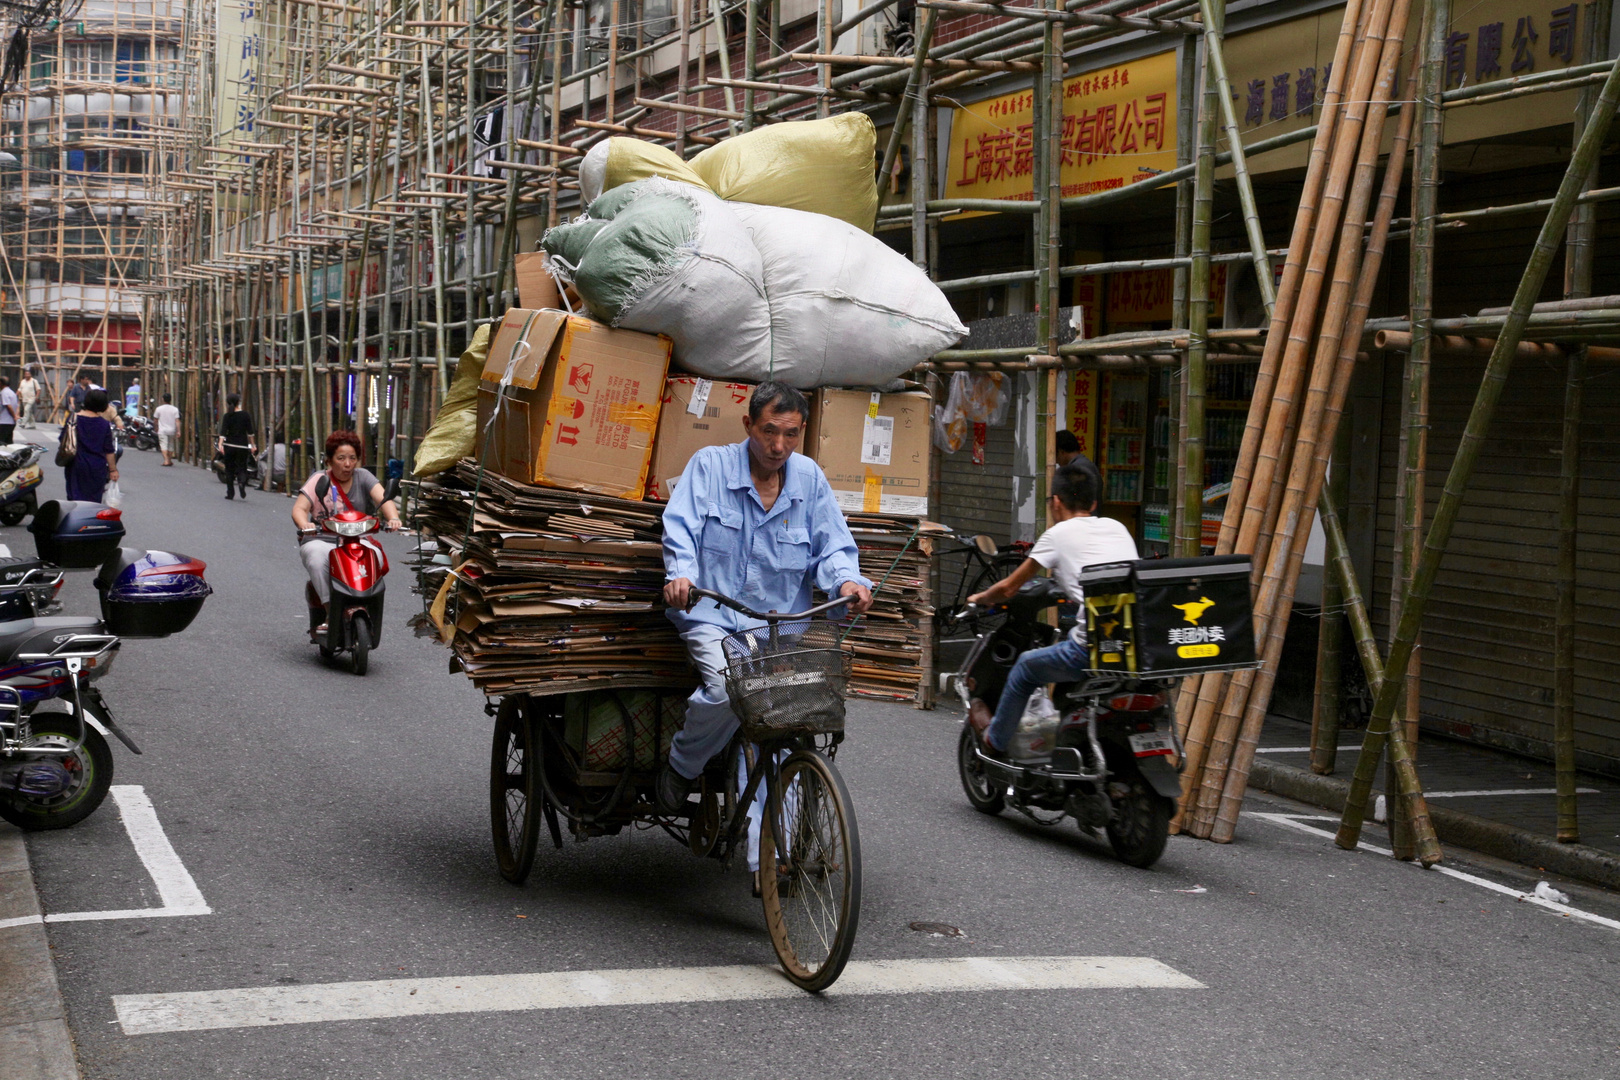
697	594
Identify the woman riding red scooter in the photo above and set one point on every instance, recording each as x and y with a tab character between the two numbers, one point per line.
335	506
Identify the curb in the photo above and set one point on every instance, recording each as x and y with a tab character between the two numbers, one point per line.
1455	827
35	1043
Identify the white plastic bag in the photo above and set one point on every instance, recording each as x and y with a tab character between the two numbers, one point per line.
846	309
113	496
1037	730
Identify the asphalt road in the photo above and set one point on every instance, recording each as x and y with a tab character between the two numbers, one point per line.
337	827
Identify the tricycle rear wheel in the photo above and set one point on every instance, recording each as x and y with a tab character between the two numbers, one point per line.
515	795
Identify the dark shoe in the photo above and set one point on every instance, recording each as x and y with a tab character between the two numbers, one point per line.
671	790
244	493
230	494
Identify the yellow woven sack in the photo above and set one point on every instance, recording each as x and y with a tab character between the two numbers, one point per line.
455	429
622	160
823	166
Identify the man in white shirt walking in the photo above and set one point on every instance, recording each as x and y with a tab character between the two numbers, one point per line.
168	428
28	393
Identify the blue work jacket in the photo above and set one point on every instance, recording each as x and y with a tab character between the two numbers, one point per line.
719	536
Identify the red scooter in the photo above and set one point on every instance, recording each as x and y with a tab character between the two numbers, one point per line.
353	617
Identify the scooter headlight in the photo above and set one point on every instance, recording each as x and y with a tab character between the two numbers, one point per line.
352	528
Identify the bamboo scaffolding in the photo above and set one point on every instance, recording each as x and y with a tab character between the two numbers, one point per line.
1490	391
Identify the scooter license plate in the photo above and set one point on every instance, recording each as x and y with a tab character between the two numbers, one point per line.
1152	744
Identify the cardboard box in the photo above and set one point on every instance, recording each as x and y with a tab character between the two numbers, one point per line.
581	407
536	287
696	413
873	448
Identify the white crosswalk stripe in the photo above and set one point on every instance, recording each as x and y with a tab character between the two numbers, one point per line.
264	1006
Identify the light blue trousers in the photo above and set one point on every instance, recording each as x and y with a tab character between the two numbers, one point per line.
710	724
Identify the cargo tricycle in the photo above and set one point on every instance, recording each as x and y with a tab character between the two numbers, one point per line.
587	761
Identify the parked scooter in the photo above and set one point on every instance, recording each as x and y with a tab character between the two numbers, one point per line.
1102	752
141	432
20	477
55	762
351	621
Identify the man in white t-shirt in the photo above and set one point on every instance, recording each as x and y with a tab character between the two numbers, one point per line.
1077	539
168	427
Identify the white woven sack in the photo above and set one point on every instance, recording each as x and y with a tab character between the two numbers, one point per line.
713	305
846	309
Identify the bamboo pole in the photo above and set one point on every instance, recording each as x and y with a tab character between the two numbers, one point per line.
1327	701
903	116
1214	34
1579	253
1468	452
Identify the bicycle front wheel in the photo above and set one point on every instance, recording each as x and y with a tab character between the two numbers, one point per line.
813	898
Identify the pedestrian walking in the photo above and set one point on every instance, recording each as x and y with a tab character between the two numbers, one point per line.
168	428
10	408
28	393
76	393
95	454
132	397
236	443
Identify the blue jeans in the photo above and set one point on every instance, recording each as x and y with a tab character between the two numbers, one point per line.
1055	663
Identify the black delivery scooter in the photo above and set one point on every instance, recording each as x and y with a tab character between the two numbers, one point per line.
1106	757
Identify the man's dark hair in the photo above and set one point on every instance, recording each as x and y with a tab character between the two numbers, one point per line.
1078	485
1067	443
95	401
775	397
166	399
83	377
233	400
4	381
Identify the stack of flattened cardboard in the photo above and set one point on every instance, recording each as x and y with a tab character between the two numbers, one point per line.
553	591
893	644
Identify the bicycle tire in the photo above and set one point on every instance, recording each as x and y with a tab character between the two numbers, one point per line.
515	799
812	897
999	567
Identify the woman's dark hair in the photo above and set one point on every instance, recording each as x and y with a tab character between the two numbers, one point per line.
774	397
343	438
95	401
233	400
1078	485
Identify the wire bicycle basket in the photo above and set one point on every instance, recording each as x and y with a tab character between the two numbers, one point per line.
787	679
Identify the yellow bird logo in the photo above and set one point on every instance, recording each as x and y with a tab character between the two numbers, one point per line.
1108	627
1194	611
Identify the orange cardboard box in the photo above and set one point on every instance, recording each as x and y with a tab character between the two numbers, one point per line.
696	413
873	448
580	405
535	285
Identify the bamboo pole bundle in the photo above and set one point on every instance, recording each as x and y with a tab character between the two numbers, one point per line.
1248	693
1199	696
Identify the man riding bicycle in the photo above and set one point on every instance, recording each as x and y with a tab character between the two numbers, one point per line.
757	522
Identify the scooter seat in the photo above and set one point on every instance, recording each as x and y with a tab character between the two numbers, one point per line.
42	635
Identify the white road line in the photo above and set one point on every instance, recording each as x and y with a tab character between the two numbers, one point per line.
265	1006
1298	749
1504	791
1289	821
175	886
169	874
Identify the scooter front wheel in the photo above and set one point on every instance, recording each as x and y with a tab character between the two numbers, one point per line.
13	512
91	769
360	654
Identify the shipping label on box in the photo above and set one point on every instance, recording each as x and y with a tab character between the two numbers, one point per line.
580	402
696	413
873	448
